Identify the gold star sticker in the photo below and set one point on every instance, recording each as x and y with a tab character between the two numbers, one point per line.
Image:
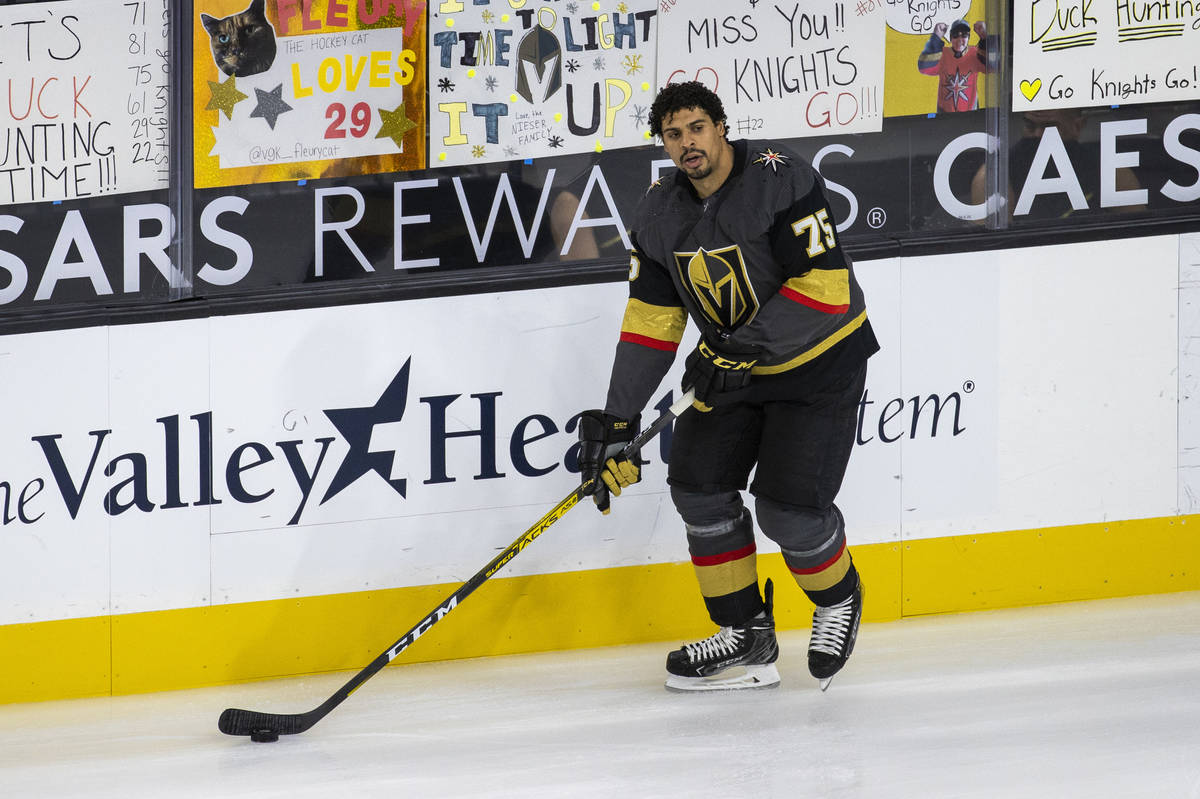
224	96
395	125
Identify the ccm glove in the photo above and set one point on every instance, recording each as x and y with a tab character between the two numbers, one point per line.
602	436
711	372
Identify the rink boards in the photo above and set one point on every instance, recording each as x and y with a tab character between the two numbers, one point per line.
239	497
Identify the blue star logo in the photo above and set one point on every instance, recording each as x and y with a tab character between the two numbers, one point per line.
357	426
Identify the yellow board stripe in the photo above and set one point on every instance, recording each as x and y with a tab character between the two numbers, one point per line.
1056	564
56	659
235	643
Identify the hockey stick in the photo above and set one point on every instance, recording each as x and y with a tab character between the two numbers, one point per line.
266	727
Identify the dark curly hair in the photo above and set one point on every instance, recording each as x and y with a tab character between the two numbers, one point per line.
678	96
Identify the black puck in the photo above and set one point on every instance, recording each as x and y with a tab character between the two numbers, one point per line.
264	736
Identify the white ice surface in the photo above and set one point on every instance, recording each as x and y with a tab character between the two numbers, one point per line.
1087	700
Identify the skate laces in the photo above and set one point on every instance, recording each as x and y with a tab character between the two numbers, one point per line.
830	627
724	642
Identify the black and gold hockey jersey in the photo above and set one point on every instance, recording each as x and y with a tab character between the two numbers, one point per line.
759	269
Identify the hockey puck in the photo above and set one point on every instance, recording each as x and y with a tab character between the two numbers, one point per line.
264	736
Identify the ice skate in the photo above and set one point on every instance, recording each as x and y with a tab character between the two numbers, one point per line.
834	631
735	657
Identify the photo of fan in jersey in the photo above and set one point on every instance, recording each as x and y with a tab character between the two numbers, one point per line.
957	65
740	240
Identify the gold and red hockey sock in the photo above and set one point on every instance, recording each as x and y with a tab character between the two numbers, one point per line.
727	569
826	578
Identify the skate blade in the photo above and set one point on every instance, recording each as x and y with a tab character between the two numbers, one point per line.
824	683
738	678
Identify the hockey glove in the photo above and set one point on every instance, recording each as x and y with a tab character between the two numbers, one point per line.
603	469
711	372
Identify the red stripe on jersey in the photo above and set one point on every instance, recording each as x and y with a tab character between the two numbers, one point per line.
724	557
823	566
653	343
804	299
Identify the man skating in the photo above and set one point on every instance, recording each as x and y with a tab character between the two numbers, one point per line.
741	240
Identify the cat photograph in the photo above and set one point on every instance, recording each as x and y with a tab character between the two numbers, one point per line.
243	44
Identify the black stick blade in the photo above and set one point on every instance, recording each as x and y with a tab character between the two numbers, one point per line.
248	722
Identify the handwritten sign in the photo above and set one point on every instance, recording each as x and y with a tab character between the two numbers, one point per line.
782	68
312	90
1079	53
85	105
334	90
512	82
148	68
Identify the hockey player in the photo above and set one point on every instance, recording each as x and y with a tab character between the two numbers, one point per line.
741	239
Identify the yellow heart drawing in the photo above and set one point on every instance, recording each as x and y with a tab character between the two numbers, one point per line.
1030	90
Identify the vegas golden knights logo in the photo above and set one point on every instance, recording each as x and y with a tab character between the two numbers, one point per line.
718	282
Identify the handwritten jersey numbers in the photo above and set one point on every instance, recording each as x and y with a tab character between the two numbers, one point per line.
820	232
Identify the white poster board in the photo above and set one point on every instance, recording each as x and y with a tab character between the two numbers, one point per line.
783	68
510	82
87	94
1104	53
334	94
